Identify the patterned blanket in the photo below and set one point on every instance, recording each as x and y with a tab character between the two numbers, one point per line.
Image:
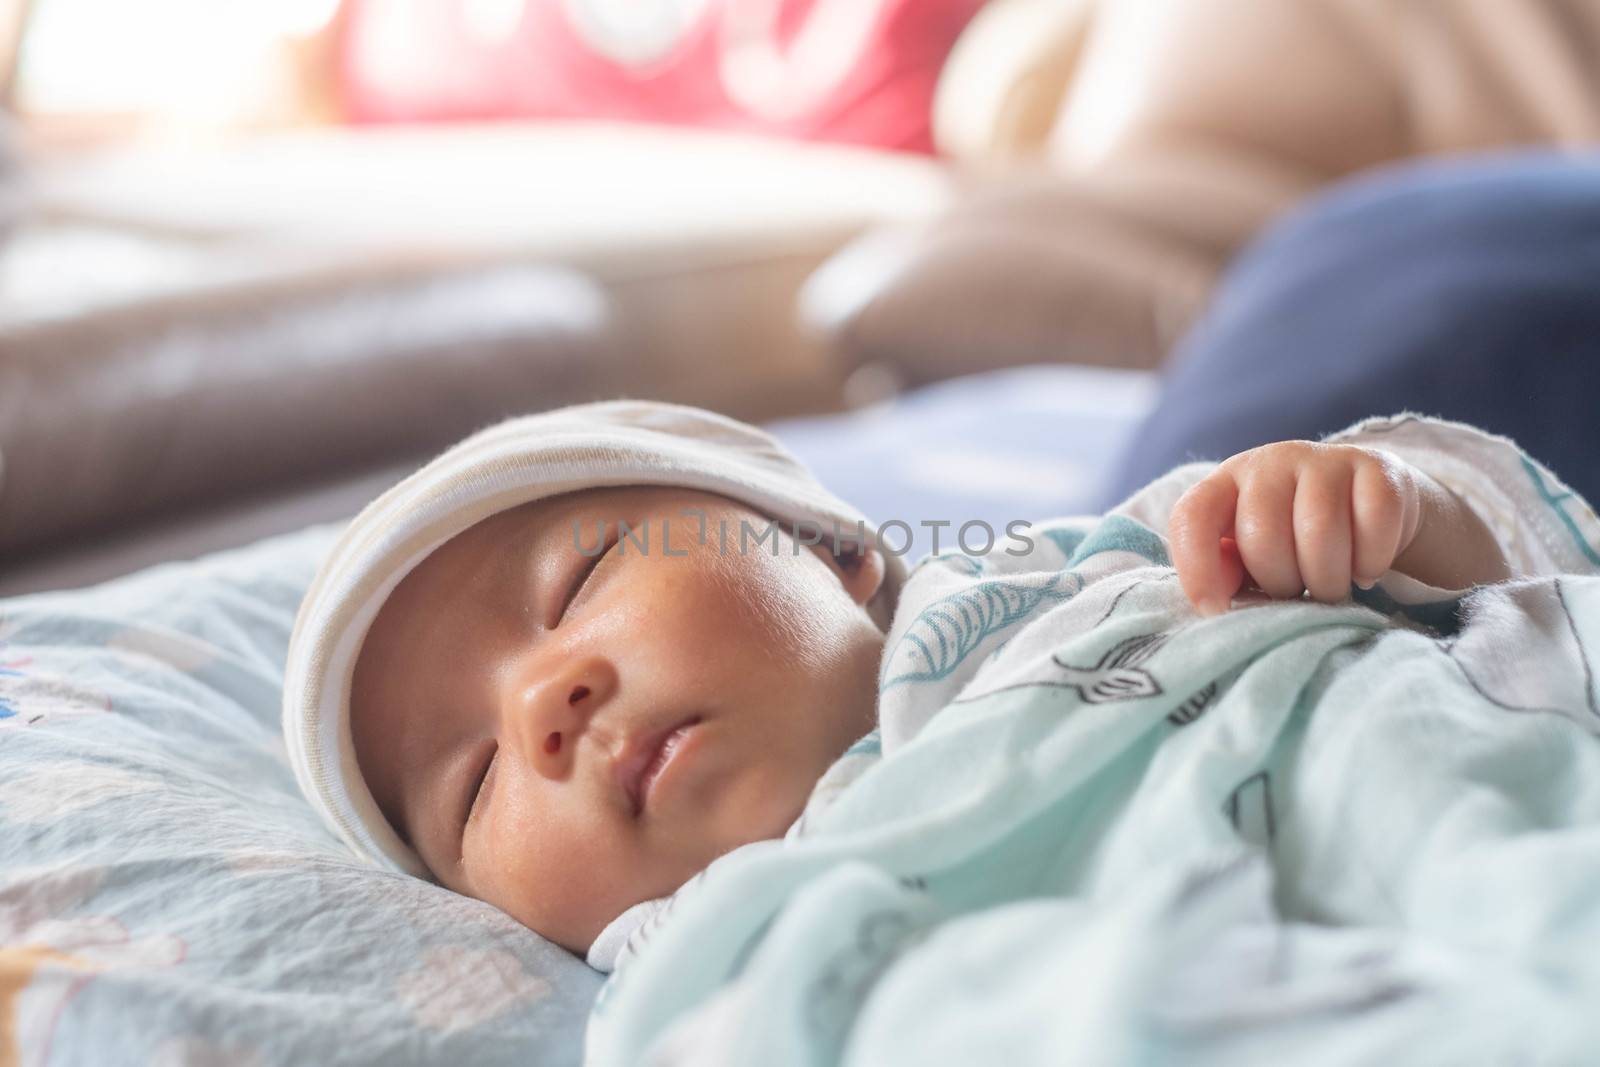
1095	827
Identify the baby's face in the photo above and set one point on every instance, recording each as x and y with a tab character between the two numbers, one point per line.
512	738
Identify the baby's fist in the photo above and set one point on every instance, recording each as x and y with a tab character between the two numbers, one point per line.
1294	516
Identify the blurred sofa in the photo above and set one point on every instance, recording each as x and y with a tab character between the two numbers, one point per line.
1127	150
205	344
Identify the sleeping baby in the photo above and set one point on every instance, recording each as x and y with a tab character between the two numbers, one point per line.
586	658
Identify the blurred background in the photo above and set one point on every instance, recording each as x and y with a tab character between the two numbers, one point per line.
260	258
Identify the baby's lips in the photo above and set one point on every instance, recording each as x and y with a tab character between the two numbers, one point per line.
629	762
639	748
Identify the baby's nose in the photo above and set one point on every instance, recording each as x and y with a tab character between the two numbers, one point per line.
553	707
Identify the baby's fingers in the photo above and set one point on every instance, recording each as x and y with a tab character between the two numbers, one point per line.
1264	522
1378	504
1322	537
1208	567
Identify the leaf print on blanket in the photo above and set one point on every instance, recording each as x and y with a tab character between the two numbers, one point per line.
946	632
1119	533
1119	674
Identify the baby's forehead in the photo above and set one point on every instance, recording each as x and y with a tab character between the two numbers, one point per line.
469	569
521	525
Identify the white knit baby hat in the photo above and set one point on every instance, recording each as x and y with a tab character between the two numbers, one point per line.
612	443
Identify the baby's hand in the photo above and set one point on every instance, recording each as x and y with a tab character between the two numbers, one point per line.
1295	516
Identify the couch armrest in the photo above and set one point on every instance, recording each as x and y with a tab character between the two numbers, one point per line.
1097	269
129	412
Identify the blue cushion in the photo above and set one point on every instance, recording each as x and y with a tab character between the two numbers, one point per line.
1468	289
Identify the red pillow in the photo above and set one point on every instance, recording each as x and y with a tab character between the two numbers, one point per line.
856	71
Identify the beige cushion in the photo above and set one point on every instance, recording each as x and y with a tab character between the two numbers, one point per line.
1001	89
1169	133
1333	86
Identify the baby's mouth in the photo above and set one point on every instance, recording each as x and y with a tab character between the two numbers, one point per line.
644	755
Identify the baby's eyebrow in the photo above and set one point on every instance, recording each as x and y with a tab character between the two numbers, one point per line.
496	576
507	579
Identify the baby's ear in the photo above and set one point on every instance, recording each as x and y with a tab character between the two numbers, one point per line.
861	570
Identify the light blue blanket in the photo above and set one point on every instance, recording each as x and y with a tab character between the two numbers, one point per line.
1103	830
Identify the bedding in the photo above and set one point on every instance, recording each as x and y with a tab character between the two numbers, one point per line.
1023	443
168	897
1094	826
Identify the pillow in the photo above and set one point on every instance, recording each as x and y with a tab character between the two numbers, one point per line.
168	897
855	71
1463	289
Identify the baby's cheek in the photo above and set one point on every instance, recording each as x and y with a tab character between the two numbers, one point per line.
790	607
759	802
533	860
